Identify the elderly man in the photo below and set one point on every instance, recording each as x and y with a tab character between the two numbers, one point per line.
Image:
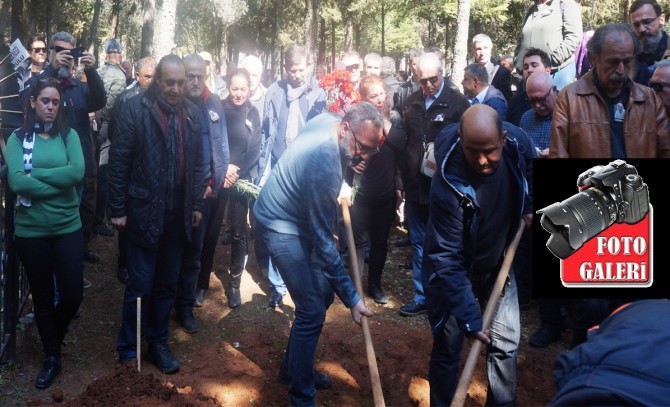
648	20
660	83
410	86
79	99
144	73
214	82
257	91
477	89
290	104
198	256
372	64
534	60
499	76
469	229
114	78
541	91
605	114
156	194
295	212
427	112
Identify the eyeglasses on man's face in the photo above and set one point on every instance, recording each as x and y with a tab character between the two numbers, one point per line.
39	50
658	86
362	148
432	80
540	100
645	22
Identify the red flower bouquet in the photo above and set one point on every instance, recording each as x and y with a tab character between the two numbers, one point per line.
340	92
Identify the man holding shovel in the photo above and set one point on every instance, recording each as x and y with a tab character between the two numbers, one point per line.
295	214
477	201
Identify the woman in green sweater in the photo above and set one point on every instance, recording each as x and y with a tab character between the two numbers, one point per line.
45	162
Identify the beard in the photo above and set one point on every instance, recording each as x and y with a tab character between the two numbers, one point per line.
64	72
346	156
650	42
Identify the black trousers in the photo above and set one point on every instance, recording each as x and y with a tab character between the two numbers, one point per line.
44	258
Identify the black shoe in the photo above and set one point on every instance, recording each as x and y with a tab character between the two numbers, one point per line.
412	309
276	299
187	320
200	297
402	242
91	257
227	238
543	337
159	354
377	294
103	230
50	370
322	381
122	274
234	298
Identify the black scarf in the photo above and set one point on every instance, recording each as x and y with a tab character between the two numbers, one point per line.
172	140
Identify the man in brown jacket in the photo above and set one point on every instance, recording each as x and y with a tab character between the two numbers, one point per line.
605	114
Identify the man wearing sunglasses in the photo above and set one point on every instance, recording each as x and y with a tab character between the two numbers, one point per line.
427	112
78	100
605	102
647	20
37	49
156	194
660	83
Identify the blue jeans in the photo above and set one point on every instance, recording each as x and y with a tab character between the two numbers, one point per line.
312	295
501	354
417	219
190	263
565	76
153	274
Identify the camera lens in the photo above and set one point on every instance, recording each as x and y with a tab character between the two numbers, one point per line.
576	220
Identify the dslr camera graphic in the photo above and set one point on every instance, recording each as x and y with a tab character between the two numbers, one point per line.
607	194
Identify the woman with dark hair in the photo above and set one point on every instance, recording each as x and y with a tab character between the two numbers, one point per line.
45	162
374	202
244	141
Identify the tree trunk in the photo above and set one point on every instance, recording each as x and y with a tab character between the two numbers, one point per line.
223	51
322	42
460	50
116	11
4	19
18	30
93	34
50	19
274	66
332	47
383	29
311	25
146	48
163	42
348	35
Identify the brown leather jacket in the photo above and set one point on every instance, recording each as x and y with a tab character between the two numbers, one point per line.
581	125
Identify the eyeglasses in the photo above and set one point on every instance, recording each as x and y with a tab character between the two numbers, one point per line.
658	86
353	67
172	82
432	80
361	147
39	50
540	100
645	22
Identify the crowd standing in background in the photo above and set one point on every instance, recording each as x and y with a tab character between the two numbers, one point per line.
172	140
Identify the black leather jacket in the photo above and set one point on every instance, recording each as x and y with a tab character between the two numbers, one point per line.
137	162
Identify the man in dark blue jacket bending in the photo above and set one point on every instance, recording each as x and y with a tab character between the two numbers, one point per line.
477	200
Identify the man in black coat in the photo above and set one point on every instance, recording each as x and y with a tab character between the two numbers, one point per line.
499	77
156	189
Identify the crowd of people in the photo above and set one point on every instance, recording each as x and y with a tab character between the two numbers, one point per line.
153	157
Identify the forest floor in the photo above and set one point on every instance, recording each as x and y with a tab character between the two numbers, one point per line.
234	359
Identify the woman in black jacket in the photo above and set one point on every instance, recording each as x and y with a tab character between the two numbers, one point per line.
244	141
374	201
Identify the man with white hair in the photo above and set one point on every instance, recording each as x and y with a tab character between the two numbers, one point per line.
499	77
427	111
214	82
372	64
257	91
